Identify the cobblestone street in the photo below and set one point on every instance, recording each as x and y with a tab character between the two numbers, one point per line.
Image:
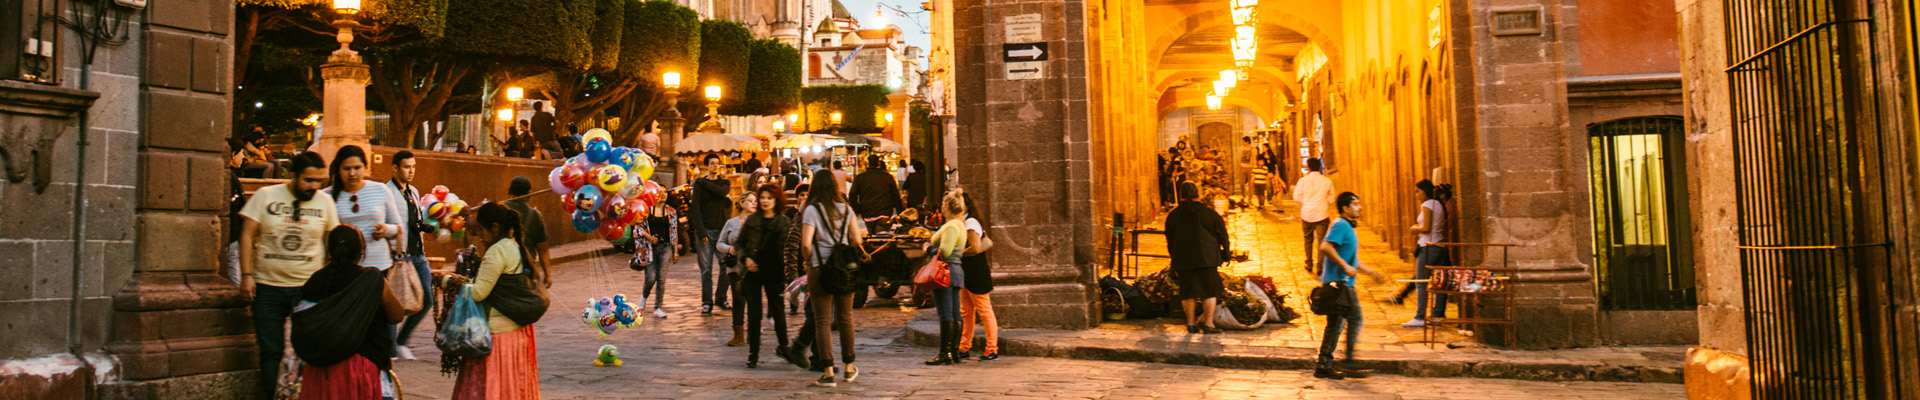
683	356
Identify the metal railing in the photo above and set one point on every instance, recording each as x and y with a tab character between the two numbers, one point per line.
1810	187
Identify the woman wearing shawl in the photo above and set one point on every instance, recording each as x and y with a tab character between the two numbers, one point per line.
340	325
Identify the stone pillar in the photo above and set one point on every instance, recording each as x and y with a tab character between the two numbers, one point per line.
1024	154
344	110
901	129
179	328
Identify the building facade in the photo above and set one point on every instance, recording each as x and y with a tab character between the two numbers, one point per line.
111	213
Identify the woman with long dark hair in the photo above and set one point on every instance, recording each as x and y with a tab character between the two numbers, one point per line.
368	206
827	222
761	240
1427	229
974	301
340	325
512	369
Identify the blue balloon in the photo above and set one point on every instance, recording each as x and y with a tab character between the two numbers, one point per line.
587	197
598	152
622	157
585	221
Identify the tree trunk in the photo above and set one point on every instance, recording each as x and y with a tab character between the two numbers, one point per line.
414	88
571	105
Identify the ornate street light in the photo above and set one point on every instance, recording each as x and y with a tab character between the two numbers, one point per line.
1229	76
713	111
1222	88
889	119
1213	102
670	123
344	93
835	117
779	126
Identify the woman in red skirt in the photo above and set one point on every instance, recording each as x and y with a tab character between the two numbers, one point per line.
512	369
340	326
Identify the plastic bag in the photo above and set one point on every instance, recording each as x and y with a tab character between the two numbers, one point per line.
1255	290
465	333
1252	304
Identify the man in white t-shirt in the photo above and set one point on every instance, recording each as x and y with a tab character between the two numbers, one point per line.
1314	192
282	236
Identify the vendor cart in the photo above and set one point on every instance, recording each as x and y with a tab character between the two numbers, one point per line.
897	248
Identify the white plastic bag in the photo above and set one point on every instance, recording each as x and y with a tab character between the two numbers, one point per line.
1273	312
1224	319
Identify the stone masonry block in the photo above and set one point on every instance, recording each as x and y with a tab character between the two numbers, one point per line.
24	324
123	151
1523	115
186	121
184	14
16	270
118	263
110	213
118	107
209	64
219	18
52	272
207	177
43	216
64	162
178	242
167	55
164	175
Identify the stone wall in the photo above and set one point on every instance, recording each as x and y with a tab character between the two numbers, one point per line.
475	178
1024	155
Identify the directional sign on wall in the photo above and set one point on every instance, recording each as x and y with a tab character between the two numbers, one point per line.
1025	61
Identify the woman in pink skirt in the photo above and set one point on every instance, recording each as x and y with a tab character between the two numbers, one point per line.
512	369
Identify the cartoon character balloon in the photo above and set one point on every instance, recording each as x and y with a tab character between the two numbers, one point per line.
609	178
608	355
586	221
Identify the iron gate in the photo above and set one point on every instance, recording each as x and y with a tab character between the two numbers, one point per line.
1642	253
1810	187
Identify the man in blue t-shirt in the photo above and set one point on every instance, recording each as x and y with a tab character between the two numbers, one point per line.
1340	261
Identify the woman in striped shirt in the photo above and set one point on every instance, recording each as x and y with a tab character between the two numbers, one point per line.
368	206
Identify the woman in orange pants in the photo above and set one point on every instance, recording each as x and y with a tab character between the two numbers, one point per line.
974	299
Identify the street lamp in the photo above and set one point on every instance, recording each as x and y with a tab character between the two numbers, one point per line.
514	94
889	119
670	122
1222	87
505	114
344	90
835	119
1213	102
779	126
713	111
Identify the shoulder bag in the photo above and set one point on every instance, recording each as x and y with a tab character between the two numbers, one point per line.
1331	298
518	296
405	283
935	273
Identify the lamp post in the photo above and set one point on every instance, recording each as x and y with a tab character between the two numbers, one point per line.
671	124
345	90
713	111
835	119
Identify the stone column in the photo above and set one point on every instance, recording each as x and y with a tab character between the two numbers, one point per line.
1024	155
344	110
901	129
179	329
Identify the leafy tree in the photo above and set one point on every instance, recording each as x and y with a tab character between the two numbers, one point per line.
660	37
773	80
302	36
723	62
857	104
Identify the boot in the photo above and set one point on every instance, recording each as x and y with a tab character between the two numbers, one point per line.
946	343
739	336
953	345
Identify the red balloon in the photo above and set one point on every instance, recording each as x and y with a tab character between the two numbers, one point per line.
611	232
440	192
615	207
573	176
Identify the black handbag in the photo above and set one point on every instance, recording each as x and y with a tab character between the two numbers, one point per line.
1331	298
518	296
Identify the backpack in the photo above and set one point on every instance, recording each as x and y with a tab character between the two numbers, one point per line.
837	273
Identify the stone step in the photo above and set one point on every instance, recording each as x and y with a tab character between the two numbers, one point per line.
1606	364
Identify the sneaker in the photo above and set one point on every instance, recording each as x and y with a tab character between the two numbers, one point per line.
643	305
403	353
706	310
852	372
1328	373
1415	323
826	380
659	313
990	356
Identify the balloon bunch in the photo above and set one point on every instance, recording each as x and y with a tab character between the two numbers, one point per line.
443	210
611	313
607	187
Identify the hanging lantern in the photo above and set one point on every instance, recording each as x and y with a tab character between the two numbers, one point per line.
1213	102
1244	43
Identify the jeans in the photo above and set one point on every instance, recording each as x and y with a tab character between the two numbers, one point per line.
1331	338
656	276
1314	231
272	305
978	304
803	340
421	267
840	308
755	290
1423	257
709	258
946	300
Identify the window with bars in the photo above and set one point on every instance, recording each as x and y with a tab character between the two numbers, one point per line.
1810	178
1643	258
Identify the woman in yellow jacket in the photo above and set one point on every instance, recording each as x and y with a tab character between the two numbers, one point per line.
951	241
512	369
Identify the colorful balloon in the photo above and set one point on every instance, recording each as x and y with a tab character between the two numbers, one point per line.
610	178
573	176
642	165
616	207
587	198
612	232
622	157
554	181
457	206
586	221
440	191
437	210
598	152
596	135
457	224
443	236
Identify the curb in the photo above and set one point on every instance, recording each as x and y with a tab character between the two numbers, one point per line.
923	331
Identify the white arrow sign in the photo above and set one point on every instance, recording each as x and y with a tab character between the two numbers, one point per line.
1029	53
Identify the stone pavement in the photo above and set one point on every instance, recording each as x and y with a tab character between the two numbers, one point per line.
1272	240
682	356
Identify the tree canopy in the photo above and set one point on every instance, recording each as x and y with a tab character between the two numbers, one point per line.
858	106
549	33
666	38
773	80
723	59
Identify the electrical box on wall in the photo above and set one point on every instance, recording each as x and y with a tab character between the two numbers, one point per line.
133	4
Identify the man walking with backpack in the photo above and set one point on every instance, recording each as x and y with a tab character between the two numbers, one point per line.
1340	262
